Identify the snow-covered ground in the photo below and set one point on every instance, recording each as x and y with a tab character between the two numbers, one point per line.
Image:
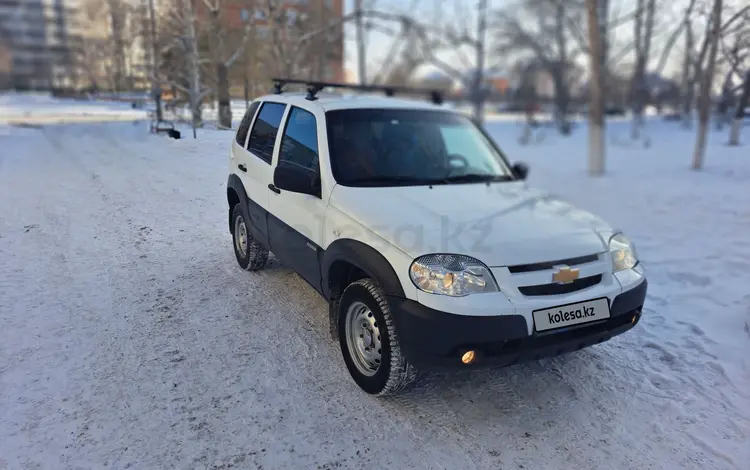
40	108
129	338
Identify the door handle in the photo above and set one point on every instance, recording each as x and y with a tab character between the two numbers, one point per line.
273	188
242	167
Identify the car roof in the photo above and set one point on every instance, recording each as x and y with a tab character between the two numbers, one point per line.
335	101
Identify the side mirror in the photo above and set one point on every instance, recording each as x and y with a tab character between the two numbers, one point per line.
297	179
520	170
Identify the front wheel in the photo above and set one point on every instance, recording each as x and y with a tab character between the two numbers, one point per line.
369	342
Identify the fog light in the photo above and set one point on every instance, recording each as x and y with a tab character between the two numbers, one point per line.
635	317
468	357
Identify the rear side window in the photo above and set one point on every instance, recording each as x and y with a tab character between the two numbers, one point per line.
263	135
245	124
299	145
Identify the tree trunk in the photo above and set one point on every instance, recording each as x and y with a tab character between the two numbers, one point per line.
361	59
734	136
154	52
639	87
222	89
596	105
687	80
562	102
707	78
194	74
478	86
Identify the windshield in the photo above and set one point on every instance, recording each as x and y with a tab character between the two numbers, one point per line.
395	147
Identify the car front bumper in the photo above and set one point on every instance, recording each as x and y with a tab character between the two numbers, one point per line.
431	338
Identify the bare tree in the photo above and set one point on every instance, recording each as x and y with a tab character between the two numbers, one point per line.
95	53
738	61
291	40
181	57
223	60
596	105
744	102
547	39
710	43
688	77
643	32
117	10
429	40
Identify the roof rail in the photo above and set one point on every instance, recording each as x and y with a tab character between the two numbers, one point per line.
314	87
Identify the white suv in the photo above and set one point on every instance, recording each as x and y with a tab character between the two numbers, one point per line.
429	246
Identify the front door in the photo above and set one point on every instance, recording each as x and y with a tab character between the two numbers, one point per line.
295	223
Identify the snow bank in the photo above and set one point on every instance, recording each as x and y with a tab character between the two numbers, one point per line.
37	108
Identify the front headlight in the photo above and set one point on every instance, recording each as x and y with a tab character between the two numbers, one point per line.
454	275
622	252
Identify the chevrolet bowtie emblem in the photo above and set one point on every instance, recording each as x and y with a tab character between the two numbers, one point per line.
564	275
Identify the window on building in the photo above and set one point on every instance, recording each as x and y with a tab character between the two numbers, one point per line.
299	145
263	135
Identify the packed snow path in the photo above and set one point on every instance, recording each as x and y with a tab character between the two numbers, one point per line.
129	338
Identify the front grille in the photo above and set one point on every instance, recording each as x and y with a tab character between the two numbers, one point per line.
556	289
525	268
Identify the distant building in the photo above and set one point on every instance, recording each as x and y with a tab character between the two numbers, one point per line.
37	49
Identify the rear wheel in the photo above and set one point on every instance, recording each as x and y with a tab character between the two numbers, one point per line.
250	255
369	342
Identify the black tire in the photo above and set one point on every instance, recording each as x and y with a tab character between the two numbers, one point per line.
394	372
255	256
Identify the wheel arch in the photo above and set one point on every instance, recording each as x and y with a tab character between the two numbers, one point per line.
346	261
235	194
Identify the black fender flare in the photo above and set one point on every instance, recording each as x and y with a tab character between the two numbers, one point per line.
234	183
366	259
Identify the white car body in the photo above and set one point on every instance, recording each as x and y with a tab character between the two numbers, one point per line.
503	225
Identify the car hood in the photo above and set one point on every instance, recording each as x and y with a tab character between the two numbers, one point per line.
501	224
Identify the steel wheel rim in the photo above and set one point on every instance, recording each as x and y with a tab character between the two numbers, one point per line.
363	338
240	236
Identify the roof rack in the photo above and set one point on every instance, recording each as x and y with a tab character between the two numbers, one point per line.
314	87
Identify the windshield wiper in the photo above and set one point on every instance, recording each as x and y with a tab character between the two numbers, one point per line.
476	178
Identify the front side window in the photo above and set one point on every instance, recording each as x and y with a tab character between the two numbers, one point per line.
394	147
263	135
299	145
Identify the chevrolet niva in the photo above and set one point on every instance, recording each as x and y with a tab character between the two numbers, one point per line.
428	244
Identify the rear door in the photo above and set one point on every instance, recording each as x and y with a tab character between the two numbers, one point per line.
296	221
254	164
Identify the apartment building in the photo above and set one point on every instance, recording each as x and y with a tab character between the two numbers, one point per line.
37	46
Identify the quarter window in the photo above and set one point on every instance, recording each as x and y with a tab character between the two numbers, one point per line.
245	123
263	135
299	145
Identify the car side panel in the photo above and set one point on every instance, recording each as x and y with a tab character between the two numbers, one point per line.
254	213
339	227
254	181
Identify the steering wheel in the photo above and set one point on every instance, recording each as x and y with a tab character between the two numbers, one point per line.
456	158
